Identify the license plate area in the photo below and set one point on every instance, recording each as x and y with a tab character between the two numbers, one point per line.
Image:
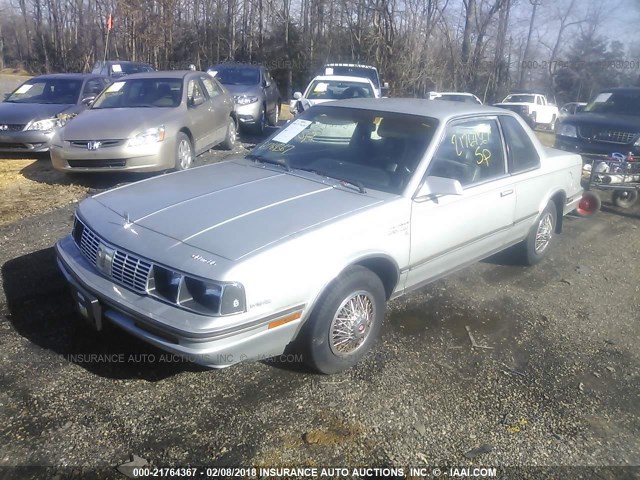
89	308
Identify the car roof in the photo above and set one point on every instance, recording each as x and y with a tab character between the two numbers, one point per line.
442	110
159	74
349	65
124	61
67	76
622	89
343	78
235	65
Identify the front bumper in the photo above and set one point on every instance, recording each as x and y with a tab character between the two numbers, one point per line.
249	114
577	145
150	319
31	141
145	158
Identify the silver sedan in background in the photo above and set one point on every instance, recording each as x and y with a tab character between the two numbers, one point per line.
148	122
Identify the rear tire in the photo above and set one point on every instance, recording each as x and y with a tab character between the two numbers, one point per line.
541	236
184	152
229	142
345	323
625	198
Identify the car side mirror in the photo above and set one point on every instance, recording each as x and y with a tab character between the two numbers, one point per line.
195	101
297	96
88	101
266	83
440	186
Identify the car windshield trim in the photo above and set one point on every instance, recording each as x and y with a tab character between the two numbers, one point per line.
363	148
47	91
342	180
619	103
150	92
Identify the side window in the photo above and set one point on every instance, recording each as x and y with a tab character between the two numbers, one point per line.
470	152
523	155
210	86
194	90
93	87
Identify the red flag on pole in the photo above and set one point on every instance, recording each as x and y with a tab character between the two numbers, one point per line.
109	22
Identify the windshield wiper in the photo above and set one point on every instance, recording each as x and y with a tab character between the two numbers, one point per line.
262	159
344	181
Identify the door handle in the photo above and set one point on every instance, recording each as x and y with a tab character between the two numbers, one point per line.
506	192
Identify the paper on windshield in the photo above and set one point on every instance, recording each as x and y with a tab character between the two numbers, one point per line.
116	68
23	89
328	71
320	87
293	129
115	87
213	73
602	98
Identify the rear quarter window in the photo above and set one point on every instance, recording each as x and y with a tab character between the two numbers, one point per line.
522	153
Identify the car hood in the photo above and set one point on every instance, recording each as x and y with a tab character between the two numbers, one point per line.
243	89
115	123
22	113
231	209
608	121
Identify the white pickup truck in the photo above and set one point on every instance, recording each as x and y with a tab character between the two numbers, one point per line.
533	107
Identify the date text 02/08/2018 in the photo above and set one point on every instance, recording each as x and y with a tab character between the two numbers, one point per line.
580	64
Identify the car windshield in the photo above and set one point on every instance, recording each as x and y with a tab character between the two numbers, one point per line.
237	76
338	90
370	73
361	148
624	103
520	98
457	98
141	92
54	91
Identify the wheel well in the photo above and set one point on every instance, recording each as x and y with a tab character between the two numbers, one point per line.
235	118
559	199
385	269
187	132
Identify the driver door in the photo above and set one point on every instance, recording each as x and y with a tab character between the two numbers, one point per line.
451	231
198	112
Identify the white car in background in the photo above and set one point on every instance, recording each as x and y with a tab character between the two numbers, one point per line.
463	97
326	88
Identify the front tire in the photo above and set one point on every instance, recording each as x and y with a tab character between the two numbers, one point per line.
345	323
184	152
261	122
541	236
275	116
624	198
229	142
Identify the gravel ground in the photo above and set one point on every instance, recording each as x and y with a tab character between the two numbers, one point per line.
557	384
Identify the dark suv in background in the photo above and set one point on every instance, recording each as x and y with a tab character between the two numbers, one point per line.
254	91
118	68
610	123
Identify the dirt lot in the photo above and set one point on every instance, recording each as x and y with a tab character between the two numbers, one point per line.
558	384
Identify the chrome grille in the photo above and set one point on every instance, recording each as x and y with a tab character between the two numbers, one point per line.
103	143
89	244
126	269
130	271
608	136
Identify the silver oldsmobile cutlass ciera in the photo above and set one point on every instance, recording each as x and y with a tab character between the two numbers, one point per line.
299	244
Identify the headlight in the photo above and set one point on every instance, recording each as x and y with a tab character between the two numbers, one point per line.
245	99
567	130
637	144
152	135
45	125
200	296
